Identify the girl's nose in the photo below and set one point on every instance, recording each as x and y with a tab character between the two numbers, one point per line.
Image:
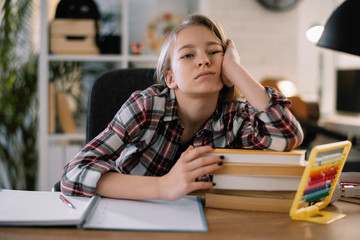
203	60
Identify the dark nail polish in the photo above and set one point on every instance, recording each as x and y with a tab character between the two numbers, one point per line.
222	157
220	163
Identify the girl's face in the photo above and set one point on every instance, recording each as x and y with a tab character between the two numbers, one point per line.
196	62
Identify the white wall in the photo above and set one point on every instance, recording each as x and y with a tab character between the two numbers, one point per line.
310	70
265	40
273	44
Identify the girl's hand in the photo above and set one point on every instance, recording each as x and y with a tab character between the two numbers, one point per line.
231	60
190	166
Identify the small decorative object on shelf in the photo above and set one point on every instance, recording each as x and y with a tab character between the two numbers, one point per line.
75	36
75	29
137	48
65	97
160	27
66	119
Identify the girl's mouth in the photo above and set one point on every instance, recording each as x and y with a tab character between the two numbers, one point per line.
205	74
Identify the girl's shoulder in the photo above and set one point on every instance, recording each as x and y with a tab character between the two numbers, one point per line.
235	105
153	91
153	98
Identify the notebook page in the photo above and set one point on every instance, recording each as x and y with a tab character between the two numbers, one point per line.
185	214
36	208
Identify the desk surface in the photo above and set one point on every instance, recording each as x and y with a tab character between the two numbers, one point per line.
343	123
223	224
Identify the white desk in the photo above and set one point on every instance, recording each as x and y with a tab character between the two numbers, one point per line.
349	125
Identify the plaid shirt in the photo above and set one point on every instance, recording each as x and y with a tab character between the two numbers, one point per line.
144	136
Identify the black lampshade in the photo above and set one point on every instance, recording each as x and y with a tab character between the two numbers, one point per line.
342	30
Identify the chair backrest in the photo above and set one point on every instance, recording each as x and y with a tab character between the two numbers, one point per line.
109	92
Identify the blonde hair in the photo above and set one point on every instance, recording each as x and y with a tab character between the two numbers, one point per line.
227	94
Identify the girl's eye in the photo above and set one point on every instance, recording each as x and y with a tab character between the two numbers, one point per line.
187	56
215	52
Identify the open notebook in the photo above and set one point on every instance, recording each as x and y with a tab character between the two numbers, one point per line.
35	208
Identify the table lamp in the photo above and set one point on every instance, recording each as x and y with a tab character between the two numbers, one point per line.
341	31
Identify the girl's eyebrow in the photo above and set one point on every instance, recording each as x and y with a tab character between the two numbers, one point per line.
210	43
186	46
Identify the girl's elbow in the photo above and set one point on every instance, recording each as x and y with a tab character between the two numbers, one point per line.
296	140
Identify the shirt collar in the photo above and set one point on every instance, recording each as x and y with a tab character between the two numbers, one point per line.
214	123
171	107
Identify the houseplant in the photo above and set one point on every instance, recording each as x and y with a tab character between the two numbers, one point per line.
18	96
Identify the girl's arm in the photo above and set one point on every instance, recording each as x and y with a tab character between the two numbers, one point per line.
178	182
233	73
279	129
174	185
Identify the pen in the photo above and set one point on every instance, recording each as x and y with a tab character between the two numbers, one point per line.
67	202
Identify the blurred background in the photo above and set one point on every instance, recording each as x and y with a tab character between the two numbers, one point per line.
52	51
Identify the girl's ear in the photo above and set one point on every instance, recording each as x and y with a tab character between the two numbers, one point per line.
169	79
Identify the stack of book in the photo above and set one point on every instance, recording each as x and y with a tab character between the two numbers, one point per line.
256	180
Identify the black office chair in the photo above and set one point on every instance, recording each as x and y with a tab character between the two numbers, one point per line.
108	93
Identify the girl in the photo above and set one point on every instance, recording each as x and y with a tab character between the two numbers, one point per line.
153	148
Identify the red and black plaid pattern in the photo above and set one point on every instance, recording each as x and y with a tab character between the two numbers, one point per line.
145	134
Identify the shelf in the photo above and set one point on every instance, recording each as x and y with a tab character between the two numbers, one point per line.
105	58
67	137
143	58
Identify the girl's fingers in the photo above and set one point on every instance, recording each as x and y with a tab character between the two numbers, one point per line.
194	158
202	165
204	170
200	185
193	164
204	161
193	153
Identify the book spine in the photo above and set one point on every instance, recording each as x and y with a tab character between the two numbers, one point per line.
52	108
254	193
260	170
264	183
65	115
248	203
262	158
